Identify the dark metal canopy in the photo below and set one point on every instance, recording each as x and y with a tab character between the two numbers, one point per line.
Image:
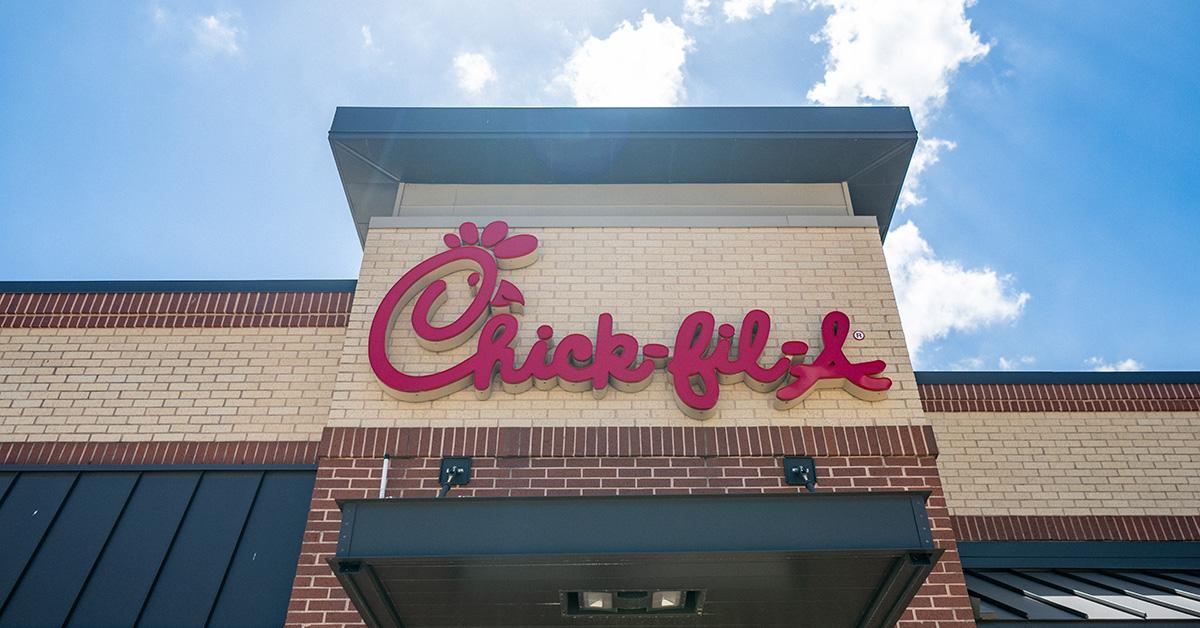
868	148
850	559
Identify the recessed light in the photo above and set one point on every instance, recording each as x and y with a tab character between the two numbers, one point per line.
596	600
623	602
667	600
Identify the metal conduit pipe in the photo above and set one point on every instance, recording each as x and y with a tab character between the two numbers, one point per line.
387	463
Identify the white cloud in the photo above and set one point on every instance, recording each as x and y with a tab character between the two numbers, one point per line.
1128	364
634	66
907	53
695	11
1016	363
738	10
902	53
968	364
897	53
368	40
926	154
160	16
937	296
216	34
474	72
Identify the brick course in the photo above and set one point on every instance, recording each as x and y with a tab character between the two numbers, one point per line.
1060	397
630	441
174	309
318	599
159	453
1084	528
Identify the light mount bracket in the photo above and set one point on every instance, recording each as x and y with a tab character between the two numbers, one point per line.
453	472
800	471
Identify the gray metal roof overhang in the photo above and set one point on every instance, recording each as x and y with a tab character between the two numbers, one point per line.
377	148
847	559
1096	583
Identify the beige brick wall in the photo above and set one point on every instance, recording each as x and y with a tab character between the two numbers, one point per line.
649	279
166	384
1070	463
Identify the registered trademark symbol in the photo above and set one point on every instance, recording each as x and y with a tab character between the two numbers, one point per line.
859	335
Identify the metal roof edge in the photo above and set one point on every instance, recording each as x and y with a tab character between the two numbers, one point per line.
1080	554
840	121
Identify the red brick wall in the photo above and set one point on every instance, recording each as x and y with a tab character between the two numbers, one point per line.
160	452
574	461
175	309
1077	528
1060	397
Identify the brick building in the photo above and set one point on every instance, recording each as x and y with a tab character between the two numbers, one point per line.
388	450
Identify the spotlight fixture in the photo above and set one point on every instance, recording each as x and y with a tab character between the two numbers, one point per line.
596	601
667	600
632	602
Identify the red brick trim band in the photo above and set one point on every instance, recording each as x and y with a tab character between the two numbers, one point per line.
628	441
1060	397
167	452
1076	528
175	309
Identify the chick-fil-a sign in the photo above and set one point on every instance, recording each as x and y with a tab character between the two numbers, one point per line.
705	355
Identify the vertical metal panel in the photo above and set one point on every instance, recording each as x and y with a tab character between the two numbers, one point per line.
1084	596
30	507
6	481
259	582
125	572
54	578
121	547
199	557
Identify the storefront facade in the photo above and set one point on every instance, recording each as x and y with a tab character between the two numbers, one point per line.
721	269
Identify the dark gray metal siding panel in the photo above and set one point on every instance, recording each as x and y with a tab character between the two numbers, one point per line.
6	480
1075	582
1015	601
122	578
167	544
1085	596
26	514
1114	583
191	577
252	587
1068	602
69	551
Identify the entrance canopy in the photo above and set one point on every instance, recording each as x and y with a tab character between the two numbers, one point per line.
845	559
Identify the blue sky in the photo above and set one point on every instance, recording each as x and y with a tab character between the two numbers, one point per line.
1054	225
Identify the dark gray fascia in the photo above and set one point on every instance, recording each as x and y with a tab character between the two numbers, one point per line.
378	149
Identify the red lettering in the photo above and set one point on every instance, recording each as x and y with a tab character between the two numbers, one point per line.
698	366
831	368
